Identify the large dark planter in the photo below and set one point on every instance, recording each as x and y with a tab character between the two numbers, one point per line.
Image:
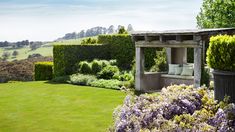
224	82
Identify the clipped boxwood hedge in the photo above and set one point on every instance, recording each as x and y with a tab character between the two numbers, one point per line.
43	71
221	53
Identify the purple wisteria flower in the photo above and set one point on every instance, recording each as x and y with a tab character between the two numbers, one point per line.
195	108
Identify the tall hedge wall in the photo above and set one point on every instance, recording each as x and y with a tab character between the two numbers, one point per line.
66	56
119	47
123	50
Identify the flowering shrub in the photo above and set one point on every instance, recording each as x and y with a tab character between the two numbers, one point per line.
81	79
112	83
177	108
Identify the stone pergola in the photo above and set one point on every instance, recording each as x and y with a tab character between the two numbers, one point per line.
176	42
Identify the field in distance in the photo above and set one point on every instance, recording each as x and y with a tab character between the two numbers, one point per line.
44	50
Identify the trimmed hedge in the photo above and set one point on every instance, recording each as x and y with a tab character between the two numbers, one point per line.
108	72
96	66
66	56
221	53
123	50
43	71
84	67
119	47
122	47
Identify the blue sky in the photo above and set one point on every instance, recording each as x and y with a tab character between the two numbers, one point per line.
47	20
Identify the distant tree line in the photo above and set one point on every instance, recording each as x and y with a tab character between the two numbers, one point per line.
17	44
94	32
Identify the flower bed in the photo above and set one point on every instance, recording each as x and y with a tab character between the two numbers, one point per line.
177	108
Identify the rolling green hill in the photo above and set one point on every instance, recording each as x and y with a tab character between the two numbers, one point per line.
44	50
26	51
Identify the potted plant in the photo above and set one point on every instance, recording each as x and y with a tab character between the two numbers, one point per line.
221	57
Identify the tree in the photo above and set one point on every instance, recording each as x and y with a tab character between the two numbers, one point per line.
15	53
4	44
111	29
82	34
5	55
122	30
216	14
130	28
35	45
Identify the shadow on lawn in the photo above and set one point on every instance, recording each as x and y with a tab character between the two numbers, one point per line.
51	82
57	83
133	91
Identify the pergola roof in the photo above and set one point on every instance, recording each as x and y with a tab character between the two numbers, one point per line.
177	38
183	32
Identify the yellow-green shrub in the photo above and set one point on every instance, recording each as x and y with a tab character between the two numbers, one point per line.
43	71
221	53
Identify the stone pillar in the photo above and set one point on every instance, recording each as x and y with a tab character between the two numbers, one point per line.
139	77
168	52
197	66
185	56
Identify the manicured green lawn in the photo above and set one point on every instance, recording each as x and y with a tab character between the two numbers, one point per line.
41	106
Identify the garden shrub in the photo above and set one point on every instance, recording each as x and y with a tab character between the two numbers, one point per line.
126	76
113	62
133	67
205	80
177	108
112	83
89	41
81	79
66	56
116	76
61	79
104	63
108	72
96	66
93	67
43	71
130	84
149	55
84	67
160	62
221	53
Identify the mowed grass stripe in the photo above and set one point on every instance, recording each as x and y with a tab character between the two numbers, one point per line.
41	106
